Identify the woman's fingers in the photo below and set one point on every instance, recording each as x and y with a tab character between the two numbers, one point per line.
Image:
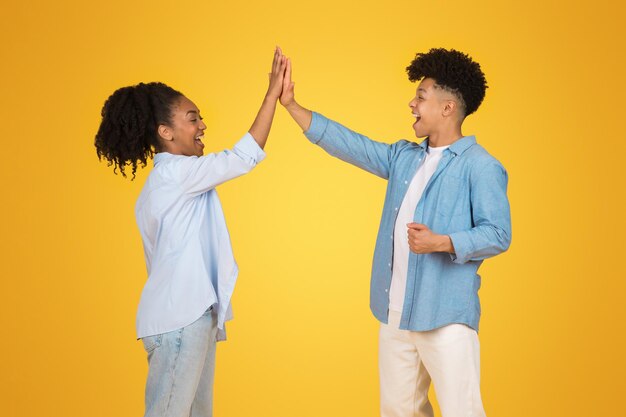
273	61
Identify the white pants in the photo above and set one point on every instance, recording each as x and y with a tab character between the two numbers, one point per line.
408	360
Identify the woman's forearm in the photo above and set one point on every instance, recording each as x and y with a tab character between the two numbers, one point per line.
260	129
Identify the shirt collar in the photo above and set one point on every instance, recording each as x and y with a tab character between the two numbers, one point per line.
161	156
457	147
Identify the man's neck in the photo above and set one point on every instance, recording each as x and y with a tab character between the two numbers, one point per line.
444	137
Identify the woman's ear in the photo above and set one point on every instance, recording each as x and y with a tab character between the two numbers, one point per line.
165	132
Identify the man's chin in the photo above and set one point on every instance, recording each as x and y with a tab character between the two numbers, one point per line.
419	133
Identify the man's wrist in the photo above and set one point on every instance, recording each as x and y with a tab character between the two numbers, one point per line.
293	106
444	244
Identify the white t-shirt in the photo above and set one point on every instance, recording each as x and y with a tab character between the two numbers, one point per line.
405	216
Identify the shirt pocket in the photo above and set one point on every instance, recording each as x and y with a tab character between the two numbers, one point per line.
150	343
452	197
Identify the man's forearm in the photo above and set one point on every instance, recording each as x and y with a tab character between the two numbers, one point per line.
301	115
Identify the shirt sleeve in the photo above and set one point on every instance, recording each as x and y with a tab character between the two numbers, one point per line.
200	174
491	218
349	146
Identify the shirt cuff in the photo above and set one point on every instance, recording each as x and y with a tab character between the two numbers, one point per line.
248	146
462	247
317	128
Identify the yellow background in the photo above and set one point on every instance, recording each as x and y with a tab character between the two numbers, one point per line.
303	225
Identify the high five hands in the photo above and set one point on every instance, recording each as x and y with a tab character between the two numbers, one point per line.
282	87
277	75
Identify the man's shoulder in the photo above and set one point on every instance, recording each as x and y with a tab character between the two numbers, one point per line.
478	157
403	145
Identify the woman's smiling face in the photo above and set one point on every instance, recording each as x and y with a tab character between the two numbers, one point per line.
184	136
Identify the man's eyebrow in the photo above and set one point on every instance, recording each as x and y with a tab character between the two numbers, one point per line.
190	111
421	89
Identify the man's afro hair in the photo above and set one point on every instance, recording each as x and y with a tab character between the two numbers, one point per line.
454	71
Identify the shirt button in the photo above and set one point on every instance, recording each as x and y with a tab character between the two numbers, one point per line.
389	265
406	182
396	208
386	290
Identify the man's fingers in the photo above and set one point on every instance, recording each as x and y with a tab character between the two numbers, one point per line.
287	79
417	226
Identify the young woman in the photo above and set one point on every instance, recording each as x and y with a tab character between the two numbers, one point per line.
191	269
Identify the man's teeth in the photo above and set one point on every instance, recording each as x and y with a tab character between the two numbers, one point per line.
200	137
415	115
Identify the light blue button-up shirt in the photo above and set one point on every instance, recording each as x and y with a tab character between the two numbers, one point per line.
465	199
186	243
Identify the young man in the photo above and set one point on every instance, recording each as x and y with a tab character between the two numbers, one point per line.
445	211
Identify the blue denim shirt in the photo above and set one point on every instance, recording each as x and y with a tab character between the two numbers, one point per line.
465	199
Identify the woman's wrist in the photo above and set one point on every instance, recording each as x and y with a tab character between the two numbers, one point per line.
269	96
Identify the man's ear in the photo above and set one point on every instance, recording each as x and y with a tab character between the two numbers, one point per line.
449	108
165	133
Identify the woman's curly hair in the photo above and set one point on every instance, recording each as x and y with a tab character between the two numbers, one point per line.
130	118
453	71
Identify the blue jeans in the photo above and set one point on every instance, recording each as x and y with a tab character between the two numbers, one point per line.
181	369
